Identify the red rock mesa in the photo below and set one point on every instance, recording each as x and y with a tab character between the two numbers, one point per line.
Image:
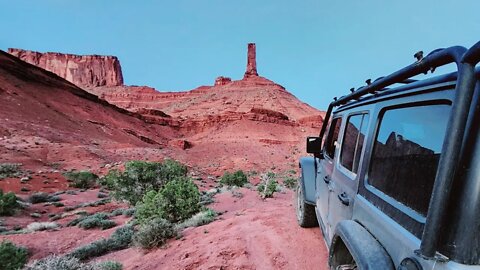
81	70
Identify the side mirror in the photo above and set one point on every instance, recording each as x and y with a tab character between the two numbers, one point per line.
314	145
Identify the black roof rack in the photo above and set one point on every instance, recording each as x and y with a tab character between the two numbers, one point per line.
465	82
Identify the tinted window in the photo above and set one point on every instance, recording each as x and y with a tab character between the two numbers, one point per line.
353	140
333	137
406	153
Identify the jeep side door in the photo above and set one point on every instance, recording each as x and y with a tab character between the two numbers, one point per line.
324	175
344	183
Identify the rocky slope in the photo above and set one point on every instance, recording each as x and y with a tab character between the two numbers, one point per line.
81	70
250	124
47	120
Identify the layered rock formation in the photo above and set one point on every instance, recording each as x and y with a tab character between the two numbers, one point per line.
233	124
251	61
81	70
222	80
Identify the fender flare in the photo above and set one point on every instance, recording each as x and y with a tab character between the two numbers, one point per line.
367	252
307	174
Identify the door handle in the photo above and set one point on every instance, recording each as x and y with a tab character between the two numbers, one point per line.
343	197
326	179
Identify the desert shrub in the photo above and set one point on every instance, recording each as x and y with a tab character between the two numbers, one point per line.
102	195
97	220
237	178
8	203
108	265
40	197
42	226
290	182
154	233
9	170
54	262
11	256
268	185
117	212
177	201
81	179
198	219
129	212
141	176
206	197
120	239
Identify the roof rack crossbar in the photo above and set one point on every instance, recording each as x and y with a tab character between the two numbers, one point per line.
436	58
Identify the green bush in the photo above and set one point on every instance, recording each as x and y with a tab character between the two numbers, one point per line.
290	182
237	178
11	256
141	176
9	170
8	203
268	186
120	239
177	201
154	233
81	179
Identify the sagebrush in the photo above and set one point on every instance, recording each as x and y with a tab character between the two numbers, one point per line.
120	239
154	233
56	262
9	170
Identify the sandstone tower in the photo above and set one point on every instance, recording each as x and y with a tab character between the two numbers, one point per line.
251	61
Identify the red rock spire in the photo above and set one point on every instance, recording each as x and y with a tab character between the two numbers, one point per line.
251	62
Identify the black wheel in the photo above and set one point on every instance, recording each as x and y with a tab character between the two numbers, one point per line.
306	216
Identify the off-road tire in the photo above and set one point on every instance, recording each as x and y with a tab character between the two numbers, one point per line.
305	212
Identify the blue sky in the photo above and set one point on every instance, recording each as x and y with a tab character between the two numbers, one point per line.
316	49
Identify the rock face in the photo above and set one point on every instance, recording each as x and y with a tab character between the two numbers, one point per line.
222	80
81	70
251	61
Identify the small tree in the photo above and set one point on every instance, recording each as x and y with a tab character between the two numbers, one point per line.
141	176
176	201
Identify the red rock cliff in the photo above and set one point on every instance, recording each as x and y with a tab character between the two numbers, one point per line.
82	70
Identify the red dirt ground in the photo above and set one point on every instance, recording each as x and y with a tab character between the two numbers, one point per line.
252	234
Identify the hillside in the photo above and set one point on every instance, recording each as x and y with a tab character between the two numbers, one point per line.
201	127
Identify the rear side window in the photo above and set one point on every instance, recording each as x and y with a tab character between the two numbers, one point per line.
406	152
353	140
332	138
